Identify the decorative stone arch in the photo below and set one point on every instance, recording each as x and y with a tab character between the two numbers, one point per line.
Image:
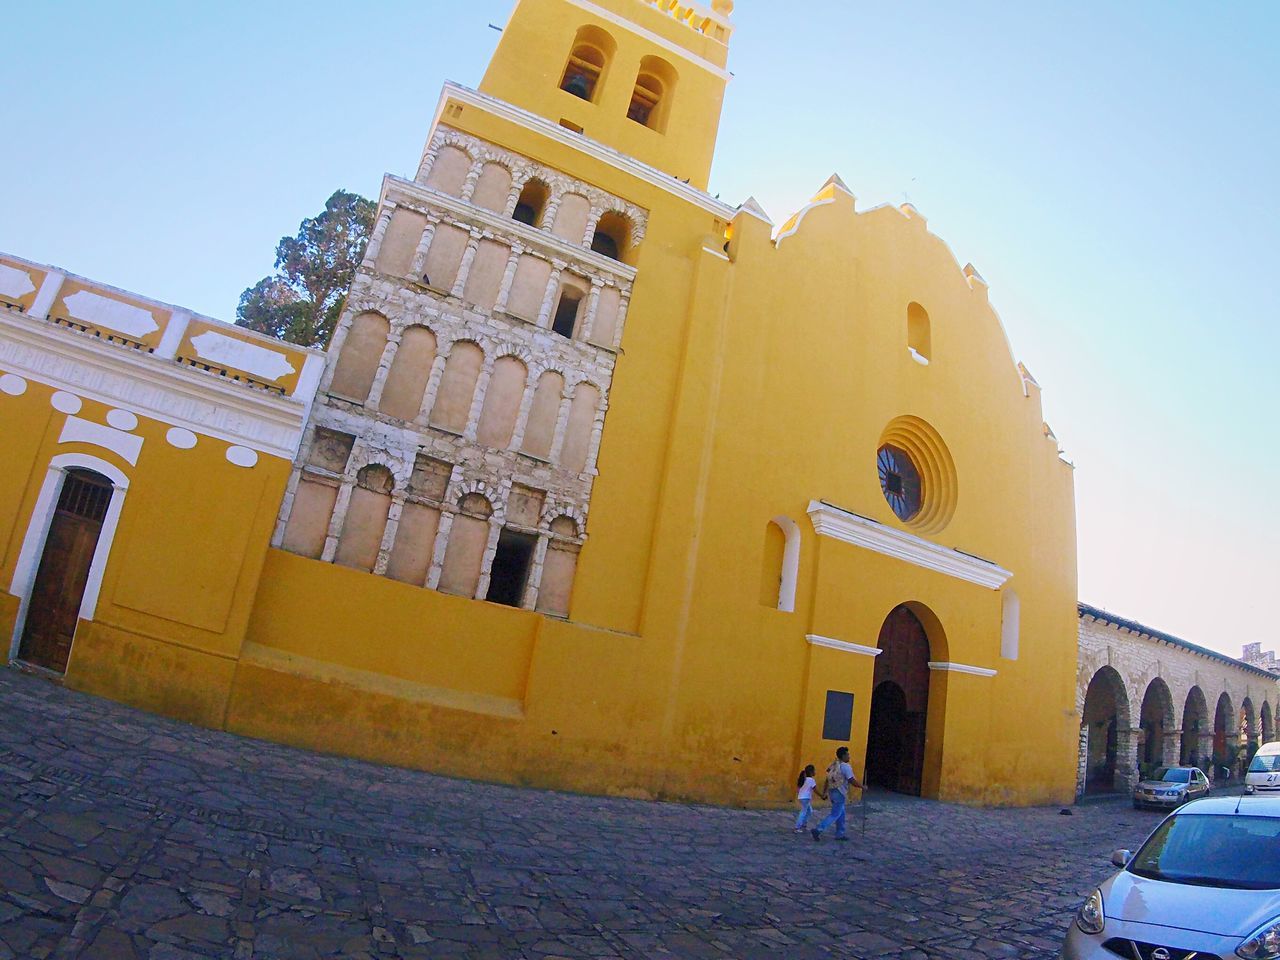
1225	727
1197	729
1157	721
1107	741
33	543
518	351
465	487
554	508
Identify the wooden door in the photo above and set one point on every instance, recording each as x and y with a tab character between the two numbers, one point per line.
896	739
54	607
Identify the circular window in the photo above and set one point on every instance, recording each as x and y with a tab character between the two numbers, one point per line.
899	481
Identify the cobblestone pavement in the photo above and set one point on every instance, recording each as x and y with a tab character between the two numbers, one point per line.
124	835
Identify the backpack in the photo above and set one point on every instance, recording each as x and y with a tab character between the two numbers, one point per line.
836	780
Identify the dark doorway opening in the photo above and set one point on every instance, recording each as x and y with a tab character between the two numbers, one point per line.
510	571
54	608
899	705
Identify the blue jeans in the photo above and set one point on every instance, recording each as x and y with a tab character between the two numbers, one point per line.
806	811
836	815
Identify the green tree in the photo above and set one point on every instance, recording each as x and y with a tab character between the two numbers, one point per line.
301	301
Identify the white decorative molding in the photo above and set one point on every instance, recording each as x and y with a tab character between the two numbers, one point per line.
790	573
13	385
242	456
15	283
122	420
650	37
960	668
221	350
127	446
24	573
848	527
180	438
592	148
65	402
50	287
174	331
94	308
121	377
844	645
918	357
799	217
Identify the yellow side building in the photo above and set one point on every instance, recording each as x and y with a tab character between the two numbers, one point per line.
602	484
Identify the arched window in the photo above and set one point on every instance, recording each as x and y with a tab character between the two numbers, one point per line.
918	339
611	235
533	200
1010	615
366	518
361	353
457	387
583	75
568	308
780	567
651	97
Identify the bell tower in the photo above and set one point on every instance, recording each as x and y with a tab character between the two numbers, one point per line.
645	77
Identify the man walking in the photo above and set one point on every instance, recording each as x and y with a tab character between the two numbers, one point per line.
839	779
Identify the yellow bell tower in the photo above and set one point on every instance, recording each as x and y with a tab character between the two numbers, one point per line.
645	78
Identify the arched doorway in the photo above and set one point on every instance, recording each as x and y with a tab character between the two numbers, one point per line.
1224	729
899	705
1268	732
1106	718
1248	726
1157	717
1195	716
53	609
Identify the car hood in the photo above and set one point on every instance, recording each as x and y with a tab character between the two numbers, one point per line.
1161	785
1227	913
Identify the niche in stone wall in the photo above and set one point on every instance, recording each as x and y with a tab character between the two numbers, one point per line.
509	572
485	277
604	329
493	189
529	287
524	506
531	203
330	450
612	235
577	435
569	307
309	516
449	171
919	339
366	519
410	558
400	242
540	430
502	403
444	257
468	539
457	387
559	568
361	353
410	371
571	217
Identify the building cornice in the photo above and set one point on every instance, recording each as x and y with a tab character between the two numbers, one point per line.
576	141
143	384
831	521
948	667
845	645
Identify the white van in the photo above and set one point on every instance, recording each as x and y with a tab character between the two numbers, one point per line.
1264	770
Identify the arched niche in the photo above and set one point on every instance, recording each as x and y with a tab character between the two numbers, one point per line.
410	371
366	519
361	353
457	388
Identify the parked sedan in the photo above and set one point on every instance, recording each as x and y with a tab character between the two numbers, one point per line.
1171	787
1204	886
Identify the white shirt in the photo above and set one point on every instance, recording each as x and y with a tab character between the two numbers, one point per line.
806	789
847	770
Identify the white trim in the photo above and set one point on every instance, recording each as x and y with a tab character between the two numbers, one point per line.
179	396
592	148
830	521
49	290
960	668
24	573
126	446
650	37
790	573
795	222
918	357
845	645
174	331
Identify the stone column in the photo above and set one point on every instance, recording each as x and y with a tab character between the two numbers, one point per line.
522	415
384	369
593	221
433	385
375	239
464	268
339	517
530	599
549	298
389	534
593	304
1082	761
424	245
562	426
477	398
486	562
1127	741
473	177
1172	747
441	545
624	301
508	278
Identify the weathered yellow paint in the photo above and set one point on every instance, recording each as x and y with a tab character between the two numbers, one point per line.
756	375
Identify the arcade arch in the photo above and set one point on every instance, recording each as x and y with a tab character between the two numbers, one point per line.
1107	728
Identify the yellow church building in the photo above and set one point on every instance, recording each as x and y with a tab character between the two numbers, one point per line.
602	484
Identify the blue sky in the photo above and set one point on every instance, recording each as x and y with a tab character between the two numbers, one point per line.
1109	168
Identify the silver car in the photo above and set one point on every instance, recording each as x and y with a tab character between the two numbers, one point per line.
1171	787
1204	886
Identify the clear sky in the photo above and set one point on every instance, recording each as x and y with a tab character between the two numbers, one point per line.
1110	169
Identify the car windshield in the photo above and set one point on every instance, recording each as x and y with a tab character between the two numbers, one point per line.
1265	763
1242	853
1173	775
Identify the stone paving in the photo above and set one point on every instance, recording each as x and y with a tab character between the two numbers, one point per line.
125	836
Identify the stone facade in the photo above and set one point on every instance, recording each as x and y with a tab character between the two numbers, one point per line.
1255	656
1164	700
489	263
